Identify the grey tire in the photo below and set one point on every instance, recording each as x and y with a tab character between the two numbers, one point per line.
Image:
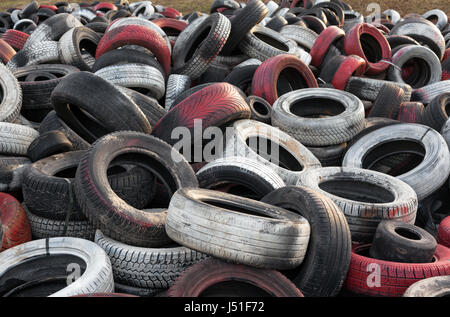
176	84
346	121
442	18
15	139
446	133
303	36
365	197
425	178
293	159
11	101
427	93
368	88
149	268
438	286
97	278
11	172
268	237
37	53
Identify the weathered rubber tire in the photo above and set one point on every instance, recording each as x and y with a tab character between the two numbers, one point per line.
15	139
282	244
33	54
365	197
201	276
303	36
438	286
436	113
15	38
426	177
334	130
11	102
105	211
6	52
293	160
387	104
15	225
97	276
444	232
369	89
261	110
428	93
329	155
48	144
153	269
176	84
411	112
325	267
11	172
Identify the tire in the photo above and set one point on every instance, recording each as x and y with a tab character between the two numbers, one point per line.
244	20
350	66
250	178
197	47
201	276
428	93
444	232
73	42
43	228
411	112
369	89
438	286
136	35
270	44
334	130
203	105
15	225
115	110
6	52
248	62
225	4
176	84
292	160
207	221
11	102
422	31
242	78
399	40
152	269
427	68
327	259
48	186
11	172
329	155
52	29
53	122
261	110
97	277
111	215
36	93
136	291
423	178
324	42
395	278
15	139
98	27
34	54
15	38
143	78
48	144
387	104
215	73
152	110
280	75
435	114
365	197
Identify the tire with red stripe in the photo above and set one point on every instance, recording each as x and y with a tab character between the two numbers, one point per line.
330	35
136	35
15	38
105	7
372	277
203	276
444	232
446	69
51	7
216	105
366	41
281	74
352	65
6	52
16	228
171	27
171	13
411	112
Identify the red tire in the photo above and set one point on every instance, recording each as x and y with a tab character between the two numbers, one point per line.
411	112
353	65
363	38
105	6
6	52
15	38
16	228
215	105
444	232
171	13
171	24
446	54
205	274
51	7
446	69
320	48
136	35
265	79
394	277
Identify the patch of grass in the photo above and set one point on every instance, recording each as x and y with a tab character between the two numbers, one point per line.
187	6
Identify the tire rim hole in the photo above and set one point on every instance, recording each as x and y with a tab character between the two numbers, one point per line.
271	41
288	80
234	289
171	31
420	72
237	189
408	234
239	208
267	149
371	48
261	109
357	190
316	108
196	43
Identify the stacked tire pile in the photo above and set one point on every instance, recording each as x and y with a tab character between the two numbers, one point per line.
99	197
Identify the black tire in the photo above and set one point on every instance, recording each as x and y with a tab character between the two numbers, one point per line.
121	221
104	103
48	144
437	112
327	259
261	110
242	78
400	242
388	102
398	40
276	23
48	186
215	73
128	56
98	26
329	155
